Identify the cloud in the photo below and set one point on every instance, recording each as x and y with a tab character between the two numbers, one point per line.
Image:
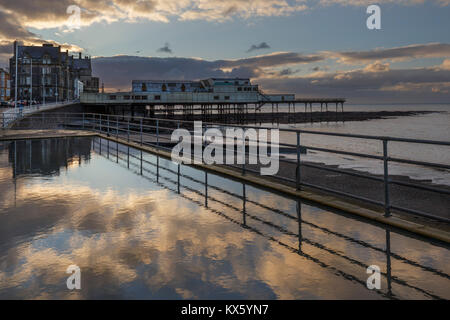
272	72
445	64
287	72
387	85
370	2
262	45
220	11
165	48
119	71
44	14
377	66
10	28
429	50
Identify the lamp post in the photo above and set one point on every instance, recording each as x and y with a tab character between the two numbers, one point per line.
56	91
43	85
15	79
31	81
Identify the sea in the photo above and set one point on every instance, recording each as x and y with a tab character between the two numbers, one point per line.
432	126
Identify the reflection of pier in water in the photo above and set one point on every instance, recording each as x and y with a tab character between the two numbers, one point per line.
126	157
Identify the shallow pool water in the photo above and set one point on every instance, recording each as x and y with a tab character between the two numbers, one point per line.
142	227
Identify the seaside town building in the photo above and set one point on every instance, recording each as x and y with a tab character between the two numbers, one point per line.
47	74
4	85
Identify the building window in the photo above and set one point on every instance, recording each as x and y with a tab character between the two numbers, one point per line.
157	97
46	60
26	59
46	70
227	97
144	87
126	97
137	97
183	88
216	97
164	88
112	97
143	97
239	88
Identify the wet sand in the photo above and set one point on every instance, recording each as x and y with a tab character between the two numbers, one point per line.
411	198
291	117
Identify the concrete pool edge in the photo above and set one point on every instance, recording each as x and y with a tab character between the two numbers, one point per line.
6	135
321	199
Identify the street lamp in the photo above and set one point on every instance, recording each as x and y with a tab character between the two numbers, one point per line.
43	85
31	80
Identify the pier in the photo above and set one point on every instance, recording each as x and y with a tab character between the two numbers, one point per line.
220	111
215	99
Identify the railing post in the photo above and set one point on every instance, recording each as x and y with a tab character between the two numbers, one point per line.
107	123
298	176
141	130
387	205
245	156
157	132
128	130
117	128
100	123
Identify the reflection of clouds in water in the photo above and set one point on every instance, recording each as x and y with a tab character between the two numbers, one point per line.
174	241
155	243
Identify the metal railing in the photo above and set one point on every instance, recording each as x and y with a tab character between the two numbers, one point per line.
157	133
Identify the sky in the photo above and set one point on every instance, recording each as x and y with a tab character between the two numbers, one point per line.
313	48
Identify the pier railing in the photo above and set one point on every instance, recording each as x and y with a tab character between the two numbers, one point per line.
157	133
